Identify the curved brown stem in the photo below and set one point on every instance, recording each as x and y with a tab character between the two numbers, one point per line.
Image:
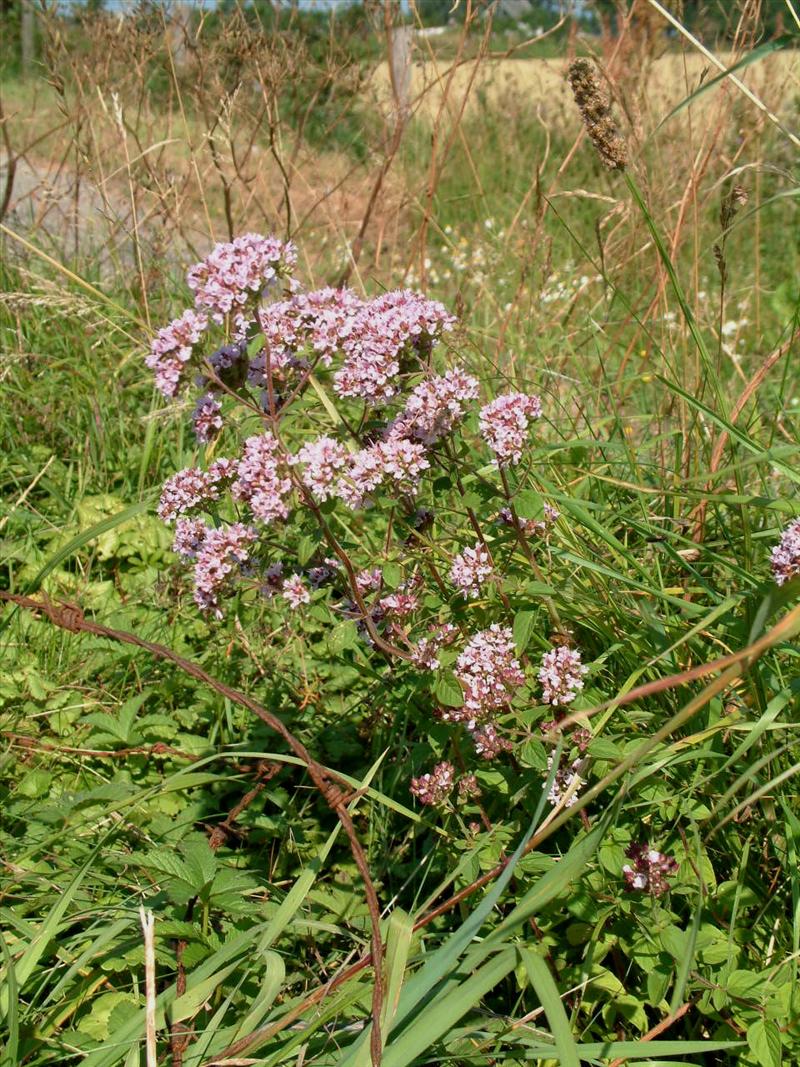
70	617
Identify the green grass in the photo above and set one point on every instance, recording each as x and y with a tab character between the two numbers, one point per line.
116	766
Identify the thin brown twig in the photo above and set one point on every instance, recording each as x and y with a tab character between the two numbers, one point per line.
657	1030
160	748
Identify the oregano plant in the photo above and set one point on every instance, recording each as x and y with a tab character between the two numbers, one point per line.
352	467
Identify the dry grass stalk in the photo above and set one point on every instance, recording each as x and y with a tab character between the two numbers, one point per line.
148	922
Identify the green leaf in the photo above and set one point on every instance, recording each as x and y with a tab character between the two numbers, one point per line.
767	456
188	1005
72	546
447	690
764	1039
557	880
9	1052
524	622
341	636
599	1051
35	784
166	862
45	933
686	961
306	549
398	943
202	860
534	589
84	538
392	575
274	977
745	985
529	504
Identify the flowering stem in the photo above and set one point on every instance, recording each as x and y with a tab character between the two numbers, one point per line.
487	823
473	521
272	419
524	544
268	370
308	499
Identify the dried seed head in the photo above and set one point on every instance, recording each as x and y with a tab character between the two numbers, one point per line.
595	108
733	199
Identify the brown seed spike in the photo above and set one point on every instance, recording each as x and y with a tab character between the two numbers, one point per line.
595	108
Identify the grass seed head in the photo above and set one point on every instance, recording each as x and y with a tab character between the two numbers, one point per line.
595	108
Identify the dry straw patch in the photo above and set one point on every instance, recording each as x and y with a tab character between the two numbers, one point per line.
541	83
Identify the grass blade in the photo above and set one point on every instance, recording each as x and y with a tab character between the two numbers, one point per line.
547	992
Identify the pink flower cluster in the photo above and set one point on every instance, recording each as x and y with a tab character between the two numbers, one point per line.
330	470
221	553
488	741
561	675
324	573
470	569
436	406
236	272
364	474
399	604
404	461
172	348
425	654
505	423
192	489
435	787
531	527
489	672
381	333
401	462
319	322
579	736
261	479
324	460
296	591
649	871
786	554
189	536
369	580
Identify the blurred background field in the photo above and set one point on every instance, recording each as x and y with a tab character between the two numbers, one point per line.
436	147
